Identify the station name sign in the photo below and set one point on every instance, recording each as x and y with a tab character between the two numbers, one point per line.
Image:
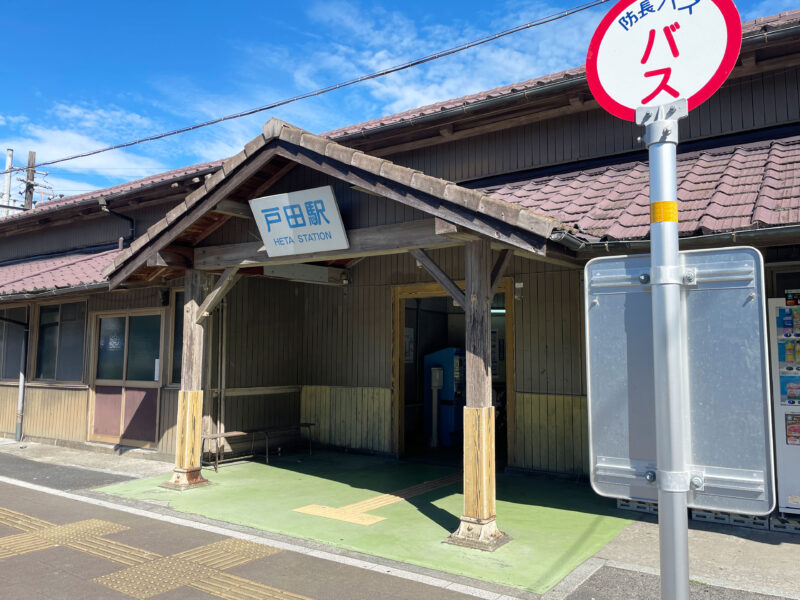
303	222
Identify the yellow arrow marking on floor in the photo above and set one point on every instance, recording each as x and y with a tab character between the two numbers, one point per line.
358	513
148	573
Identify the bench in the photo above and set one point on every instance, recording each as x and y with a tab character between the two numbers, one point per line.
266	432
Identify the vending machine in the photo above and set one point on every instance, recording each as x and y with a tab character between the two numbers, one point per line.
784	321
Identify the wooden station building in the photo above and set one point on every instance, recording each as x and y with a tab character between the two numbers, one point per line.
149	314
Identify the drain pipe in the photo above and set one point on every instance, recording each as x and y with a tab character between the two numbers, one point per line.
131	223
21	393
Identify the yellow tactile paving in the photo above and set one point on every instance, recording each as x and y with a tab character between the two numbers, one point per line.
231	587
357	513
228	553
114	551
20	521
148	573
156	577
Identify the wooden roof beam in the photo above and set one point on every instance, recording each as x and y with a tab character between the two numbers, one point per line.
454	212
365	241
232	208
171	256
445	228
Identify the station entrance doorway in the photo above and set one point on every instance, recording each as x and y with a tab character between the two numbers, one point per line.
432	371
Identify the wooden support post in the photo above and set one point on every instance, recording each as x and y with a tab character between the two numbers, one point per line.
478	528
190	398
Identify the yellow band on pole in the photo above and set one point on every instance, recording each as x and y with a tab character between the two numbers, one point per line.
663	211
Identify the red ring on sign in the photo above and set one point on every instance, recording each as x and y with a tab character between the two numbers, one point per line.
733	25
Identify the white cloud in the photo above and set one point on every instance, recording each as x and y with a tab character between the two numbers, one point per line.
380	39
52	143
345	40
112	120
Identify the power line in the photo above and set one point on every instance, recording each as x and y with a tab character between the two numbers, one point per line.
330	88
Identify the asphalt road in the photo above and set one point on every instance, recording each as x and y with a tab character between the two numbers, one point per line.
55	476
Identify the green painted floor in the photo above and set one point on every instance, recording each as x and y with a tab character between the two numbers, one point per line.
555	525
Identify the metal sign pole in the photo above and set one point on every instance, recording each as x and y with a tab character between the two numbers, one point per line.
666	278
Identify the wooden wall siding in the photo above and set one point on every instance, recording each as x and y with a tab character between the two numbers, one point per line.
167	420
80	234
347	336
349	417
264	333
552	433
260	411
56	413
746	103
126	299
550	421
8	408
549	331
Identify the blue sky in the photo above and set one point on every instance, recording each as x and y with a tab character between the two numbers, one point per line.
90	74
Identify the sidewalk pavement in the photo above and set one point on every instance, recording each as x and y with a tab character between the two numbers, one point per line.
726	562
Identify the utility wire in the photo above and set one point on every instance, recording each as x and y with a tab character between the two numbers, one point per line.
330	88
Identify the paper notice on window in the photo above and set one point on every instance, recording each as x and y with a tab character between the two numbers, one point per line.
155	375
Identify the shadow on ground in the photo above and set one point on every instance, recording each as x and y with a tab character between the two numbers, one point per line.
555	524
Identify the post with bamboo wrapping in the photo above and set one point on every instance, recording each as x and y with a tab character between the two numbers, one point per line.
190	398
478	528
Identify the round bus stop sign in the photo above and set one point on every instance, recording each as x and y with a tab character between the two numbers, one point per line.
652	52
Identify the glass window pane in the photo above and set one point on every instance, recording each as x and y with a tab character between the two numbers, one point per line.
13	342
70	342
177	339
48	343
143	348
111	348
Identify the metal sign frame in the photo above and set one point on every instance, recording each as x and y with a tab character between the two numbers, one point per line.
725	399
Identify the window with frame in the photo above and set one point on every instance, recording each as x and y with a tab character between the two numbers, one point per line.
12	335
129	348
61	340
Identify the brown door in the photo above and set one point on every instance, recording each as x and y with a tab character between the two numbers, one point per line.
126	382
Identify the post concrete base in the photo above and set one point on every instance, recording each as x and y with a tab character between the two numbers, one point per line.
481	534
185	479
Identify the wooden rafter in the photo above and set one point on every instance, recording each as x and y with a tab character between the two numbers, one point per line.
489	226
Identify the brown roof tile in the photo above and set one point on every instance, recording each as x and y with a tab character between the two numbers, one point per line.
726	189
54	273
131	186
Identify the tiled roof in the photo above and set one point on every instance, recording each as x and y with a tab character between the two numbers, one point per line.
131	186
54	273
725	189
276	130
748	29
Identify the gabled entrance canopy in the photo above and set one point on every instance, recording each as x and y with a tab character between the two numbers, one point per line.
445	214
458	213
